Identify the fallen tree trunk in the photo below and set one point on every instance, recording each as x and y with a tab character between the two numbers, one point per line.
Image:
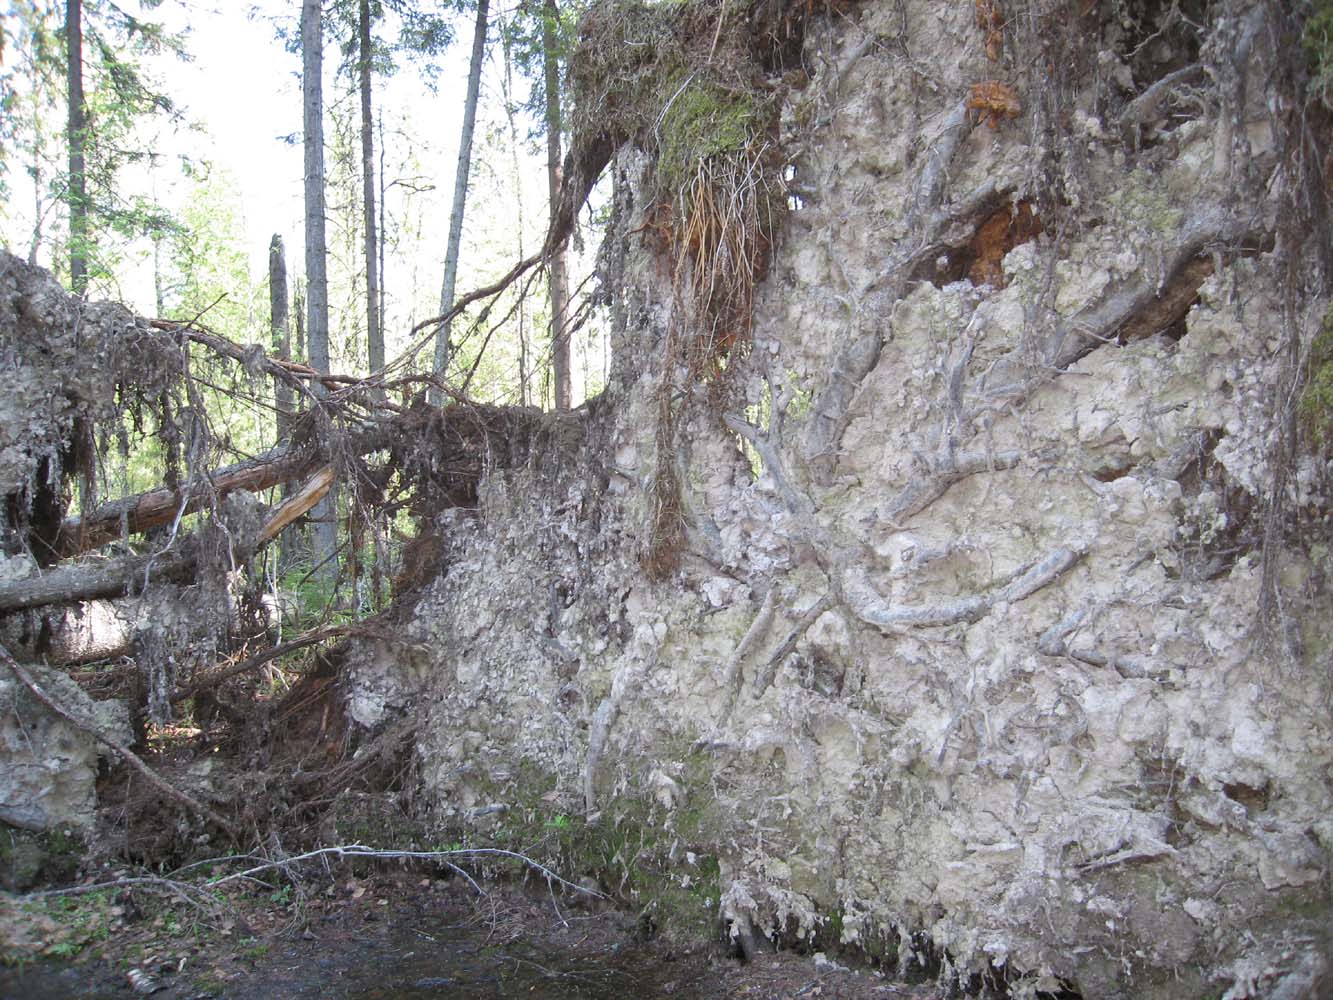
155	507
130	574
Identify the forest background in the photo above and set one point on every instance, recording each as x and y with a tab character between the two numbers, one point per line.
195	170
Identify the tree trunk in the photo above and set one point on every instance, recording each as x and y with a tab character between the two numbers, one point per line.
129	574
77	131
281	333
283	401
154	507
374	334
442	346
507	82
317	288
559	285
383	233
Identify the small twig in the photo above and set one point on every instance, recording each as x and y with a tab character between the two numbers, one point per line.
361	851
124	752
264	656
181	889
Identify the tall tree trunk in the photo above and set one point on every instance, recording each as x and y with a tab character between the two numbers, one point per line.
556	265
507	83
384	228
159	285
317	286
442	346
77	132
374	334
281	333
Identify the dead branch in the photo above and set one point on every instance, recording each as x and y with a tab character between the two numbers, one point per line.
129	574
252	357
446	857
311	638
181	890
123	752
315	490
85	581
486	291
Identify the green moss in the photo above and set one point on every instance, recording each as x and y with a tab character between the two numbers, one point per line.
658	863
1144	202
1316	403
702	119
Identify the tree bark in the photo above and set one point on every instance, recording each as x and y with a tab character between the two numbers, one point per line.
76	134
317	288
281	332
559	283
374	335
442	346
283	399
154	507
507	82
129	574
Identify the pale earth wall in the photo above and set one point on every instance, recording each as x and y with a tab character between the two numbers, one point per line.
993	678
965	650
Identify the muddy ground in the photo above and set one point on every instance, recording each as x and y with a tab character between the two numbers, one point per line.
403	936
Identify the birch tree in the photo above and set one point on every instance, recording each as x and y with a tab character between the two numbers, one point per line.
442	346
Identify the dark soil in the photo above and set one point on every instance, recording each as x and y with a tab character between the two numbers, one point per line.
395	937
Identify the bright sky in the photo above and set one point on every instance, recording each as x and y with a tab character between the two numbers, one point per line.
245	88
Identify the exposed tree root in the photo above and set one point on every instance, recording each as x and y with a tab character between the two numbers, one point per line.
1053	643
925	488
868	607
763	677
754	634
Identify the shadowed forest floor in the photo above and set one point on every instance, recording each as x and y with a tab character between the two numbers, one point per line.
394	937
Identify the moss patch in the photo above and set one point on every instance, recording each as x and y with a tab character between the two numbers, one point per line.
658	863
703	119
